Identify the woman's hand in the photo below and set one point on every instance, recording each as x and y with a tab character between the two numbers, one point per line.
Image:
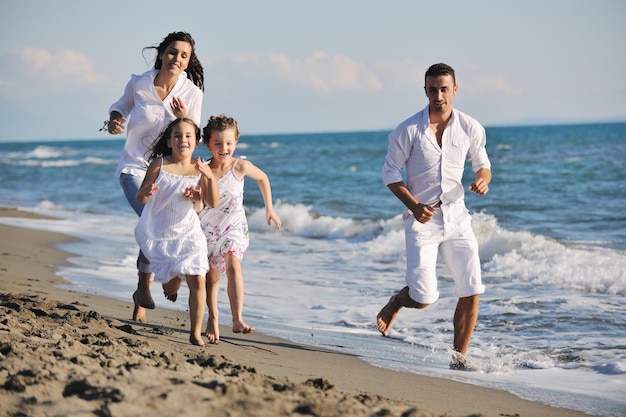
178	107
116	124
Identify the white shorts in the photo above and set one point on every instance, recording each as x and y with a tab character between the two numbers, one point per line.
458	246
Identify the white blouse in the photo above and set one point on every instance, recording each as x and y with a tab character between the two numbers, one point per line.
148	115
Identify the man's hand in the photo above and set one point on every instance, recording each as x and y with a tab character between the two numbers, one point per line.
481	183
423	213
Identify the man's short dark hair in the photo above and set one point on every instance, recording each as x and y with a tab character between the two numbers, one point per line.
437	70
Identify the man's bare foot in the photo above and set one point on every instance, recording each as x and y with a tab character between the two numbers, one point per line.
143	299
387	315
242	327
460	362
139	314
170	288
213	330
196	341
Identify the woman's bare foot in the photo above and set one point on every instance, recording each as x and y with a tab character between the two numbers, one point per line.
213	330
196	341
170	289
387	315
142	301
139	314
242	327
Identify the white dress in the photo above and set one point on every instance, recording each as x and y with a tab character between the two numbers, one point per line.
169	232
226	226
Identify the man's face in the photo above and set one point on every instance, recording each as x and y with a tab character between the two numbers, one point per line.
440	92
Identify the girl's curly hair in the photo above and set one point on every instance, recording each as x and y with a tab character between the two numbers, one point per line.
219	124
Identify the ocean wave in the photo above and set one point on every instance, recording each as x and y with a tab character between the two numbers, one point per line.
518	255
300	220
510	255
537	259
42	152
615	368
58	163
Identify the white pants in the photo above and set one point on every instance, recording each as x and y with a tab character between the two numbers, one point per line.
450	233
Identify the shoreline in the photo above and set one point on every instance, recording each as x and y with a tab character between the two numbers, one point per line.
154	367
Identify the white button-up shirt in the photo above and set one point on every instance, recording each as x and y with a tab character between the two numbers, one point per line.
434	174
149	115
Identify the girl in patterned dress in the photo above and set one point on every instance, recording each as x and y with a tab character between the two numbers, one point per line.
225	226
169	231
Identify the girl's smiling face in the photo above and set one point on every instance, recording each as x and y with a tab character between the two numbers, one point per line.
183	140
222	144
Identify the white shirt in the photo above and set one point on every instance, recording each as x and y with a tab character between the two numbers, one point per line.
434	174
148	115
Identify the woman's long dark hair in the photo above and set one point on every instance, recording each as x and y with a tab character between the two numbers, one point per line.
194	70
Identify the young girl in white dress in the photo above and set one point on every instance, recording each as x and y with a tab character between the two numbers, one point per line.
225	226
169	231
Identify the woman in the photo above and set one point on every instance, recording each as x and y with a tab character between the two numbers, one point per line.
173	89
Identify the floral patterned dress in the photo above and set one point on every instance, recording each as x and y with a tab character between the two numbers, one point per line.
226	226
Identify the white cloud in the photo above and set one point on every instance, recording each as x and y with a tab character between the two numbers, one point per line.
495	83
39	71
63	66
317	71
402	75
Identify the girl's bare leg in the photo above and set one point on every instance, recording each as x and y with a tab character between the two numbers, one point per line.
197	298
235	294
212	289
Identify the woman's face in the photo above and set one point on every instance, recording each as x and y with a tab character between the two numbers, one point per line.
175	58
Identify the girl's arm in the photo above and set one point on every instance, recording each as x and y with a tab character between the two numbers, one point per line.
208	185
148	186
247	168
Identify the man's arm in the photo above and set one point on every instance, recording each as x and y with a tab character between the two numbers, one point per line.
422	212
481	182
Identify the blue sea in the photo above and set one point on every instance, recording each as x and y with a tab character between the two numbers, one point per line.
552	234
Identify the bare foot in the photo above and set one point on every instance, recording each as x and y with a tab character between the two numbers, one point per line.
196	341
242	327
139	314
387	315
213	330
460	362
170	288
143	299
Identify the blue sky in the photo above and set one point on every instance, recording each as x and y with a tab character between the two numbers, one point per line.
319	66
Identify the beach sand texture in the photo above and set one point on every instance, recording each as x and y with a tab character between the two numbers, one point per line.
65	353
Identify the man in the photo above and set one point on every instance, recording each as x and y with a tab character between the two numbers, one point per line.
433	146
